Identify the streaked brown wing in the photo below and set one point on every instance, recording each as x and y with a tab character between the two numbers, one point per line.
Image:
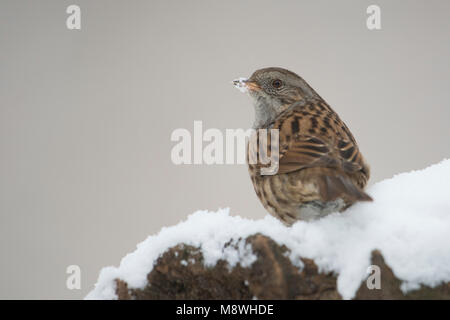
304	152
299	148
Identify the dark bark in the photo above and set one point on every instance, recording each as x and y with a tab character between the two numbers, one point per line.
271	276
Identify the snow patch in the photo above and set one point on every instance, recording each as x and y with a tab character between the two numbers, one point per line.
408	221
240	84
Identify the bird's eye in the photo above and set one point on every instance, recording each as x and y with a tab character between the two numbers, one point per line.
277	83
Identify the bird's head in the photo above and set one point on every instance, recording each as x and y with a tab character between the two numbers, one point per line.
273	90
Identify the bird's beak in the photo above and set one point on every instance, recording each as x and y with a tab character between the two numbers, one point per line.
244	85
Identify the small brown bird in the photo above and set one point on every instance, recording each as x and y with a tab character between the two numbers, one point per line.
320	169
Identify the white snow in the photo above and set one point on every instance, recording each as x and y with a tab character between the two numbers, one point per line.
240	84
409	222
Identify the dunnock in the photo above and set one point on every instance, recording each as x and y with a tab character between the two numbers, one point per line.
321	169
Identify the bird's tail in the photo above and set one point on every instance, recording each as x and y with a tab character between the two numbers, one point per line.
334	186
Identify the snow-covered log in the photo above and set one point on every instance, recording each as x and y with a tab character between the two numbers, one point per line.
405	232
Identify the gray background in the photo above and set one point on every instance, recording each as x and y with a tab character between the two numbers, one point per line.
86	116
